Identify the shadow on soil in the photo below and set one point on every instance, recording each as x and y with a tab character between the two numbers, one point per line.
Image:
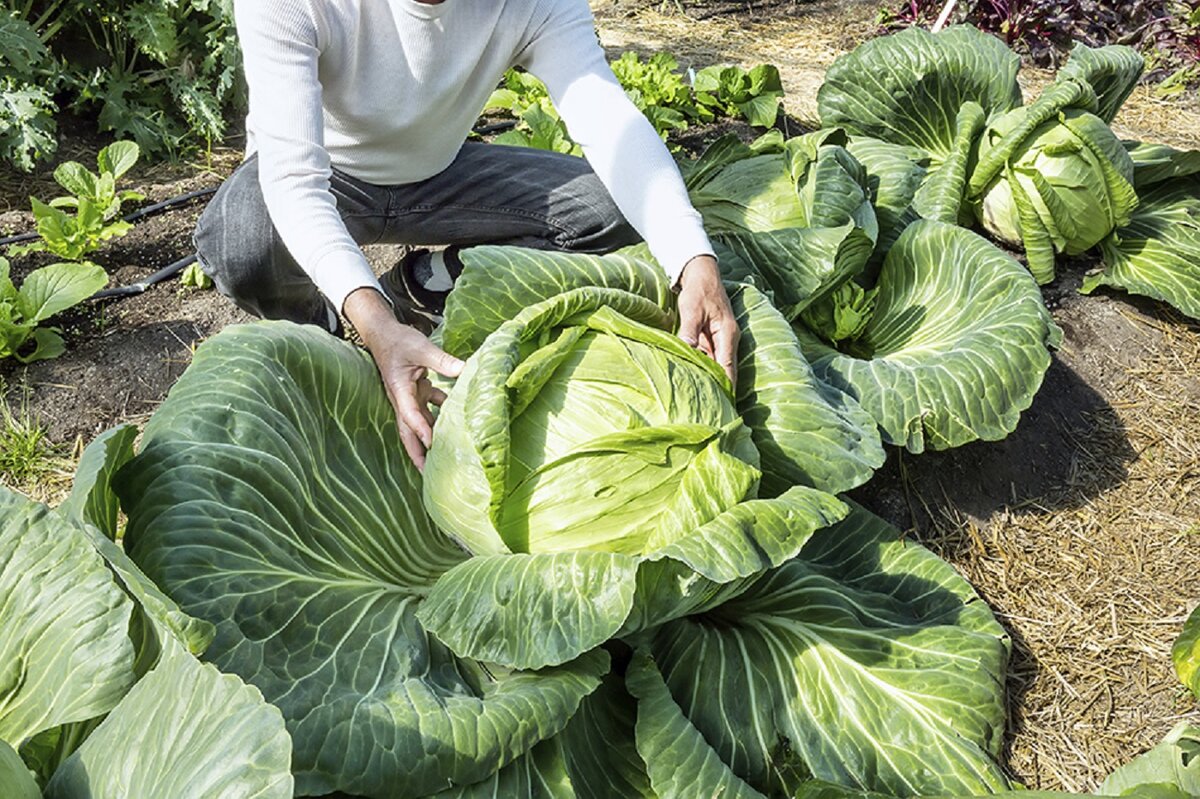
1069	446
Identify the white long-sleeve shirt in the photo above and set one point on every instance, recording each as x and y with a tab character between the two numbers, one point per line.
387	91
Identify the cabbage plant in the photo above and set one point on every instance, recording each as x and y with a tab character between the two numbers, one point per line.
100	697
1052	177
1157	253
955	345
1066	186
796	218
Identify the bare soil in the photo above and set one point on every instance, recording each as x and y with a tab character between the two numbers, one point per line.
1080	529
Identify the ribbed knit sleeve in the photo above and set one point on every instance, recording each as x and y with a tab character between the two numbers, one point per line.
281	41
620	143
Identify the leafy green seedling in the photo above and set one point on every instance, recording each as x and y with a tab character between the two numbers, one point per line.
95	200
194	277
44	292
541	130
754	94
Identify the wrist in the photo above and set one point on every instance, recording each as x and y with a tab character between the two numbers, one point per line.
370	313
704	264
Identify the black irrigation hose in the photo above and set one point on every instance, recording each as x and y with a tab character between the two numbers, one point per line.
137	288
142	213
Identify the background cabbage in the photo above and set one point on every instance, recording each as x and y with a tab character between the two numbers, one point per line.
1069	183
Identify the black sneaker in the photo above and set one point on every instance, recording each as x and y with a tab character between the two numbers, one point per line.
409	278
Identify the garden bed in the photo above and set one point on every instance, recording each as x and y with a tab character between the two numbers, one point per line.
1079	529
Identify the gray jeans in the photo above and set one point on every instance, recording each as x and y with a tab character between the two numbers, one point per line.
490	194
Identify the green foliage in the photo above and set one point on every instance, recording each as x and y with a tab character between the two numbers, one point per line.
44	293
163	74
96	203
659	91
194	277
656	87
731	91
26	104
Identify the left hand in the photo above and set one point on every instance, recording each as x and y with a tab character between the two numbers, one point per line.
706	320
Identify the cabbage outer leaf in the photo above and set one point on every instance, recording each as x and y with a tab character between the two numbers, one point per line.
895	173
272	499
679	761
1186	653
600	747
92	500
909	88
866	661
1154	163
185	731
806	432
957	346
482	300
1111	71
1173	764
15	780
529	611
1158	253
65	654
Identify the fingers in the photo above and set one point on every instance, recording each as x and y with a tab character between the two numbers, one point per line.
413	446
725	347
434	357
689	325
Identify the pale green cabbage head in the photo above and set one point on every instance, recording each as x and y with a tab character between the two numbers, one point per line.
589	430
1071	178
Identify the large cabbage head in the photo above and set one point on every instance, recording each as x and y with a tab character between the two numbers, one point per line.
578	426
1064	188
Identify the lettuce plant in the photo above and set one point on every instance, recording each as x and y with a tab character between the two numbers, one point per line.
43	293
96	203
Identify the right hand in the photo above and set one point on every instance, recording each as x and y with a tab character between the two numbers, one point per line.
403	356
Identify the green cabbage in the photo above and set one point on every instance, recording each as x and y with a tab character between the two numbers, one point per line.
1069	183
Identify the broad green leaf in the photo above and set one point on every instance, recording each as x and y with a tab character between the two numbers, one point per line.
801	265
867	661
65	654
600	749
1155	163
539	774
16	782
118	158
185	731
956	348
1174	763
272	498
678	759
894	175
1158	253
75	178
1111	71
529	611
909	88
57	287
807	432
818	789
942	193
480	303
47	344
1186	653
92	500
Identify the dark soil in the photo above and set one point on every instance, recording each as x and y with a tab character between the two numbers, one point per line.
754	10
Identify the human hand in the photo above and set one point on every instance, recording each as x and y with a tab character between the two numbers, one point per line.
706	320
404	357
